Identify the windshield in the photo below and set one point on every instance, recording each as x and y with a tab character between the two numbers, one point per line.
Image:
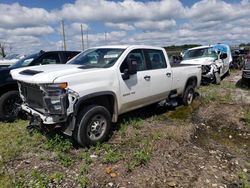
25	61
97	58
13	56
198	53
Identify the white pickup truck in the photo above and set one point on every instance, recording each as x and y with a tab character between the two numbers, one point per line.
215	61
89	93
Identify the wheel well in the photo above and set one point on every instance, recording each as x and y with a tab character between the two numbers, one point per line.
107	101
7	88
191	81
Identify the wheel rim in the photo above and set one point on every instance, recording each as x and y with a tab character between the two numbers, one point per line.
190	96
96	127
10	106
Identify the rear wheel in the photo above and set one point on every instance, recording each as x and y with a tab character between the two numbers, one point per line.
188	95
93	125
9	105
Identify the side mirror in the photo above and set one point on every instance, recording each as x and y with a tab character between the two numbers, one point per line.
132	69
223	56
132	66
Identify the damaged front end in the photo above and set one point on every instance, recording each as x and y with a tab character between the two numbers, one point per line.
209	73
50	104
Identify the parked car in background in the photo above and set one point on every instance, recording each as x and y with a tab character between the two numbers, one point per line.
238	58
215	61
10	60
9	96
93	89
246	67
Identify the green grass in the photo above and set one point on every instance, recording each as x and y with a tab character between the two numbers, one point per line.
244	180
211	93
247	116
110	155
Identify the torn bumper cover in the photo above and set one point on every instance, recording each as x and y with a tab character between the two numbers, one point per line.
51	103
208	73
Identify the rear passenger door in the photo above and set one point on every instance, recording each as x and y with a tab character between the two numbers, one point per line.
160	74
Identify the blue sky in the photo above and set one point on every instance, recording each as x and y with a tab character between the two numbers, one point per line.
30	25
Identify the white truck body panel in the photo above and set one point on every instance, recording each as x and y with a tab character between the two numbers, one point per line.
132	93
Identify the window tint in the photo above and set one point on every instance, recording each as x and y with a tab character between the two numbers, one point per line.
51	58
156	59
134	55
70	55
98	58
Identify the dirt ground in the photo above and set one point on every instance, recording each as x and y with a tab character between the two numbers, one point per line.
204	145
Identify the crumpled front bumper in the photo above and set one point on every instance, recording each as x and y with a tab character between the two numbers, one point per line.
46	119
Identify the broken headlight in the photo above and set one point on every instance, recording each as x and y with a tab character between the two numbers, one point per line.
205	69
55	98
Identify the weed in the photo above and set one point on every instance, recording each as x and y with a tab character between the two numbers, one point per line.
244	180
64	159
61	147
247	116
157	135
83	181
110	155
58	142
87	158
56	177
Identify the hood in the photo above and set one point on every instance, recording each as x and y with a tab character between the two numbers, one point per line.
46	73
199	61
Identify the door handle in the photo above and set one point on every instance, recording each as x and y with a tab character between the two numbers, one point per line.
168	74
147	77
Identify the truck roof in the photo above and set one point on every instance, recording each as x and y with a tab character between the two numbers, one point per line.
126	46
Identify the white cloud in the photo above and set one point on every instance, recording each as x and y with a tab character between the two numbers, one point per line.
120	11
156	25
33	31
122	26
155	22
15	15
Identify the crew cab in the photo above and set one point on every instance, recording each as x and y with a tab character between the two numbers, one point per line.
9	96
87	94
215	61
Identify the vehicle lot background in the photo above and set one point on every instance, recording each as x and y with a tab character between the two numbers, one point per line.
204	145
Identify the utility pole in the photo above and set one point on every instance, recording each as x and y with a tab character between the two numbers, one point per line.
82	38
63	32
105	37
87	38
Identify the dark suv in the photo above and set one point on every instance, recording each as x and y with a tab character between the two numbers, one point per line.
9	96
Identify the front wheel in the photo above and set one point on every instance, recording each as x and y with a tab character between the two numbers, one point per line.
188	95
9	102
93	125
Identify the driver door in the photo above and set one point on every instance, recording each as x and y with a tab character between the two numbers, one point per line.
134	91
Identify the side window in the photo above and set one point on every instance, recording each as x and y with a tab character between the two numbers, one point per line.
156	59
51	58
135	55
70	55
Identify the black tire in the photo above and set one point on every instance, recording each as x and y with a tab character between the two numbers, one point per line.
9	105
88	120
188	95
